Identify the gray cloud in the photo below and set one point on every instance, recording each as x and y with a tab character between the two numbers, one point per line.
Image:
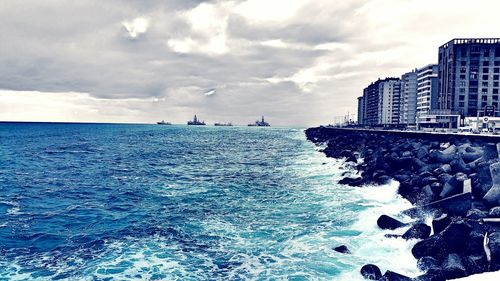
300	66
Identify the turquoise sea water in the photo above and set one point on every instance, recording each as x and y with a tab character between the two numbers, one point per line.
148	202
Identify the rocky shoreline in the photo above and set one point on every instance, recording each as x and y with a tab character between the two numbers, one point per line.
455	179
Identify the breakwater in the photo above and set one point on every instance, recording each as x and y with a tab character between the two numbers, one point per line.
452	179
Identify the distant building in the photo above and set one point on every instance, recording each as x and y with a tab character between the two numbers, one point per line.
469	75
361	110
427	89
408	99
381	102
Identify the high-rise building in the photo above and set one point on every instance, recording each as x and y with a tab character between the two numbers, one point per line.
469	72
361	110
381	102
427	89
408	99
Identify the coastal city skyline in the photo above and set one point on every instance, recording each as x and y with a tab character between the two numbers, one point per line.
296	62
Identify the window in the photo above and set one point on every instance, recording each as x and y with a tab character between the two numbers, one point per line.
484	90
463	63
461	104
495	91
497	63
473	97
462	90
462	76
485	77
496	70
484	84
486	63
486	70
486	53
495	84
495	77
484	98
497	52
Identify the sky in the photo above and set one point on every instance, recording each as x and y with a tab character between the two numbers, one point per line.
298	62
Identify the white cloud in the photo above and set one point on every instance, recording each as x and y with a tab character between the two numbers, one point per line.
136	27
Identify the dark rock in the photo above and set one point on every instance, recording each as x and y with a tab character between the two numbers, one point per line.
421	152
417	231
458	204
431	275
393	276
484	179
349	155
436	188
494	246
490	152
492	197
440	157
476	214
401	178
453	267
426	263
475	264
471	156
458	165
386	222
371	272
444	178
455	235
451	240
383	179
392	235
352	181
474	245
440	223
342	249
494	212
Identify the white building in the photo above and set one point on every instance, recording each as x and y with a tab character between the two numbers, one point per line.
389	102
408	100
427	90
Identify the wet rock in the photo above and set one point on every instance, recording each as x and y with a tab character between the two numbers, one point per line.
494	212
484	180
426	263
342	249
421	152
348	155
440	223
371	272
444	178
431	275
451	240
386	222
453	267
393	276
440	157
389	235
436	188
351	181
417	231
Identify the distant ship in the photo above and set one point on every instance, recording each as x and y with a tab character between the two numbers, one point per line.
195	121
260	123
162	122
223	124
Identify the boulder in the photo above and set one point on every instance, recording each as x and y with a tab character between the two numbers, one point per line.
492	197
348	155
421	152
386	222
440	223
494	212
471	156
476	214
431	275
474	245
417	231
453	267
393	276
494	246
484	180
352	181
458	165
426	263
475	264
490	152
342	249
371	272
444	178
440	157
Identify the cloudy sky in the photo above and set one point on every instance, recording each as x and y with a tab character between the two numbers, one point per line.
299	62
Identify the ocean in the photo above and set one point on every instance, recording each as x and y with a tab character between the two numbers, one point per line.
149	202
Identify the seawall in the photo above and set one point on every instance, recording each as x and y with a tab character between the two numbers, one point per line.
455	178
